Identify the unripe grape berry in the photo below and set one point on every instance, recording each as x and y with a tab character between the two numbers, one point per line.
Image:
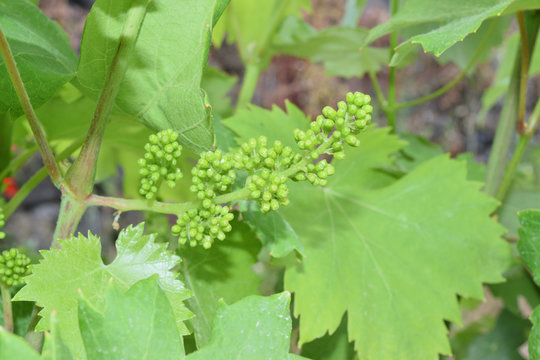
13	267
160	162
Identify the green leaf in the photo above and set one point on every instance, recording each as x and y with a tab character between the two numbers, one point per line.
14	347
418	150
41	50
529	241
518	285
534	336
462	52
502	342
455	20
275	233
476	171
54	347
222	272
330	347
340	49
254	328
251	24
393	258
275	124
22	311
139	324
56	281
162	86
519	197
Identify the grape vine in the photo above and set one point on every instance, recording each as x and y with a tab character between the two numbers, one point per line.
266	168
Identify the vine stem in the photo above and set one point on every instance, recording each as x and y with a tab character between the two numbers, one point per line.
508	117
253	62
518	153
457	79
391	113
81	175
8	311
122	204
37	130
524	72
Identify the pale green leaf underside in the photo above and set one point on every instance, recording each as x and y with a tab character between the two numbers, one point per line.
254	328
393	258
41	50
55	282
457	19
138	324
162	84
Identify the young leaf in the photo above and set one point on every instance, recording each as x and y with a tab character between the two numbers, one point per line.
41	49
14	347
162	86
221	272
340	49
254	328
77	266
139	324
457	19
393	258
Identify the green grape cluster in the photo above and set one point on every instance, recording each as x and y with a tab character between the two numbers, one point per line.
213	174
255	154
13	267
268	167
2	223
204	225
160	162
329	133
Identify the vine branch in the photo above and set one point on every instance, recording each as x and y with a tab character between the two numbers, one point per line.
37	130
524	72
81	175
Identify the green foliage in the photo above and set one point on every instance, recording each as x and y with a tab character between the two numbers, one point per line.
529	248
340	49
14	347
162	85
243	330
41	49
453	20
55	283
13	267
137	324
221	272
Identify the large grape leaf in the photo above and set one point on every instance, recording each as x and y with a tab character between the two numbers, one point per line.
162	86
56	281
138	324
455	18
393	258
222	272
41	50
252	329
340	49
